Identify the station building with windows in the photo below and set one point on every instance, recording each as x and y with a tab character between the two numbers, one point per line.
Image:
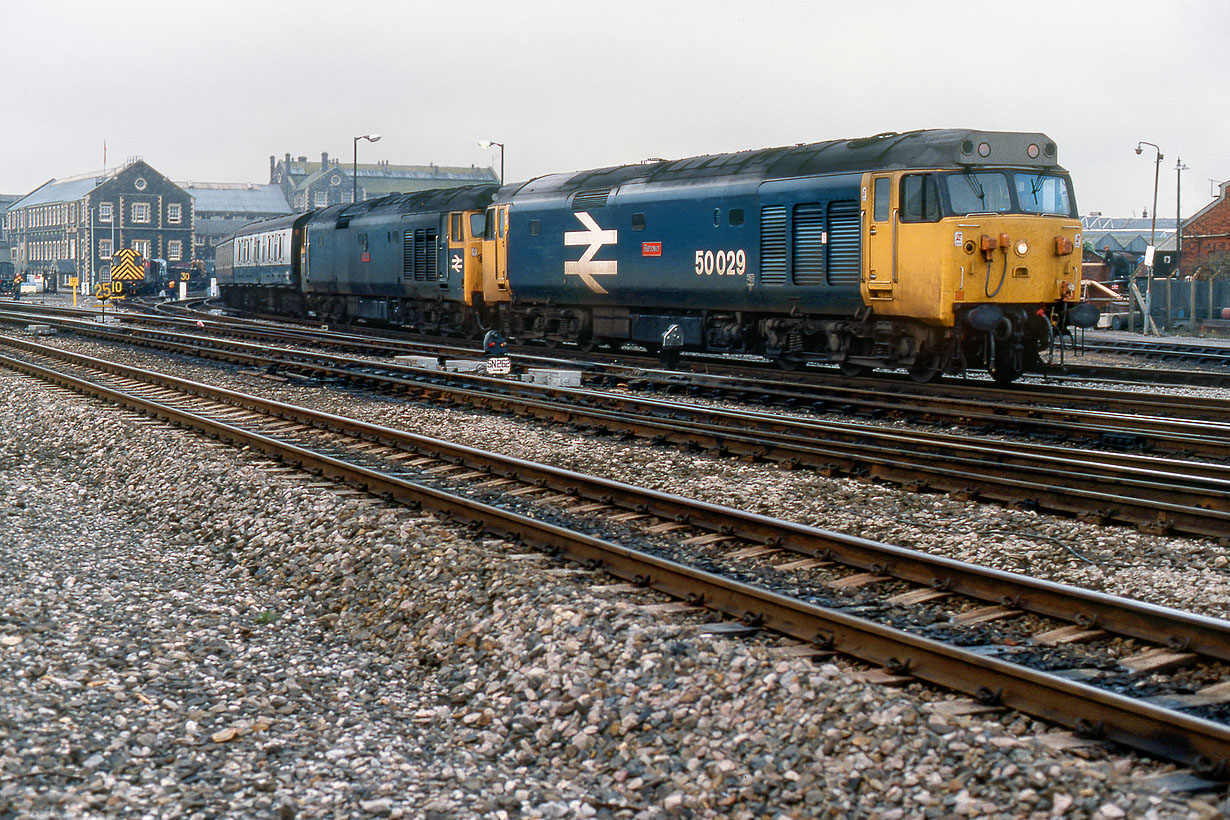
71	227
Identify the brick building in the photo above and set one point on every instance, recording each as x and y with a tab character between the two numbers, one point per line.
72	226
309	185
1206	234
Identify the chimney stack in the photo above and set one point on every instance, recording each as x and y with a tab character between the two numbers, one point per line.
273	164
324	160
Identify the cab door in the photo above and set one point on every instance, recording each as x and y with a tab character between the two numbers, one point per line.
455	255
880	220
495	256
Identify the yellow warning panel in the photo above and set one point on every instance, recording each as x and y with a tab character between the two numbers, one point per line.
127	266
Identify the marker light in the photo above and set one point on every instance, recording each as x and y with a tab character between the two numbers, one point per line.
1032	150
1022	248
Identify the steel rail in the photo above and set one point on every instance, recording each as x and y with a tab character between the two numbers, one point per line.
1164	499
1205	438
798	435
1124	616
1216	356
723	374
1123	374
1028	408
1158	731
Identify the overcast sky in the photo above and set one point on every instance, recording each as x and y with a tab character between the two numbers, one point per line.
207	91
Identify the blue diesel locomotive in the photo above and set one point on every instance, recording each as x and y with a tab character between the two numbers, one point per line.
933	251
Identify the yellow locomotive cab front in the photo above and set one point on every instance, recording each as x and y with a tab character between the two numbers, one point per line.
986	257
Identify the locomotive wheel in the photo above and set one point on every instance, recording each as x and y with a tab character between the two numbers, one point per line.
924	369
853	370
787	363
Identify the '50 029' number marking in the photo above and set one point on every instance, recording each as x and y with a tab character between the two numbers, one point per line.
723	263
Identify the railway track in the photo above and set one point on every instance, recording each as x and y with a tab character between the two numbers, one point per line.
1094	663
1153	493
979	405
1055	384
1169	350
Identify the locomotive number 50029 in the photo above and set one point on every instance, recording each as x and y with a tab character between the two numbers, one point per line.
723	263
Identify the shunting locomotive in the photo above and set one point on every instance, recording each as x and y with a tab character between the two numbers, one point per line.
934	251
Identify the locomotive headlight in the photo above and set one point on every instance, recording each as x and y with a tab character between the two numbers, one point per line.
1022	248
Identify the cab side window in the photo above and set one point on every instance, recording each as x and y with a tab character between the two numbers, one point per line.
454	227
882	199
920	198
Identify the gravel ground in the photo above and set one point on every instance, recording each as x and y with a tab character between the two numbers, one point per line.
190	632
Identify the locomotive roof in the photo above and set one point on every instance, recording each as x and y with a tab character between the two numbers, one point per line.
933	148
464	198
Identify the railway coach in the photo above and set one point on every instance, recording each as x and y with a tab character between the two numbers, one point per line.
933	251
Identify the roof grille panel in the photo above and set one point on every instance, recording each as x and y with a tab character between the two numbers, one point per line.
591	198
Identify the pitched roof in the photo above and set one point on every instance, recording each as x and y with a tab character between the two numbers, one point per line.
237	198
68	189
1223	191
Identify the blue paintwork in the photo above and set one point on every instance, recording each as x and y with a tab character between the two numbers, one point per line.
681	217
337	263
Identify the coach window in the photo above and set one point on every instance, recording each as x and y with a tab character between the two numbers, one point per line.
920	198
736	217
638	222
882	195
363	241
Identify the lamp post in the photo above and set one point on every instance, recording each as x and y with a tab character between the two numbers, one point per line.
1179	168
1157	164
488	144
354	168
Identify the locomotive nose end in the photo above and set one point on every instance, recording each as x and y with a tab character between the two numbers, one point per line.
1083	315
